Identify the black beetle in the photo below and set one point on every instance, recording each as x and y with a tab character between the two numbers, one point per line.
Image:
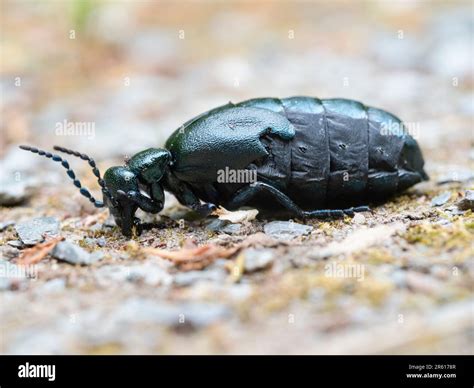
305	154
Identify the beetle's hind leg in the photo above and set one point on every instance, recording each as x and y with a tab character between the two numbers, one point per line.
245	194
336	213
359	209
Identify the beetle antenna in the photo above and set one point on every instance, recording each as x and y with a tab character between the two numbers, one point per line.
56	158
92	163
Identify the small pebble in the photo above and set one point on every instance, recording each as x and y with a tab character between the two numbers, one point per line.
358	219
12	193
4	225
101	242
456	177
441	199
223	226
467	203
74	254
258	259
32	232
8	252
146	273
15	243
286	230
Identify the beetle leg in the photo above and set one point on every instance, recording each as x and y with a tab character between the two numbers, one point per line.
124	214
190	200
245	194
148	205
186	197
350	211
337	213
204	209
129	202
324	213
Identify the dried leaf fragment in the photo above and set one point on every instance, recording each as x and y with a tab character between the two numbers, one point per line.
38	252
195	257
237	216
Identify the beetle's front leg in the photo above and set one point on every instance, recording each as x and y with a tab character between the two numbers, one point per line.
129	202
148	205
124	214
186	197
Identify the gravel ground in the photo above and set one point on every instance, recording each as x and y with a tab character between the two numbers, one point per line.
397	280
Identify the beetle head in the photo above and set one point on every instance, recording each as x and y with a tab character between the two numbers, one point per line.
116	186
119	181
143	170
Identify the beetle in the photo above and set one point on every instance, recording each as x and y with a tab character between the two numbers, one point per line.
310	157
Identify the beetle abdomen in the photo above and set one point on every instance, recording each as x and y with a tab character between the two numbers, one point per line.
343	151
347	126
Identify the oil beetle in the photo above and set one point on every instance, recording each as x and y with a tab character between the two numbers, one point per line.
308	155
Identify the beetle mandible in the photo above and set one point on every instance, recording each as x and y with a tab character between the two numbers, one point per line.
311	158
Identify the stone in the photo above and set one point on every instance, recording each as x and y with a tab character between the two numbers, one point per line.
286	230
101	242
149	273
13	193
258	259
223	226
74	254
232	229
32	232
8	252
359	219
4	225
467	203
15	243
441	199
456	176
